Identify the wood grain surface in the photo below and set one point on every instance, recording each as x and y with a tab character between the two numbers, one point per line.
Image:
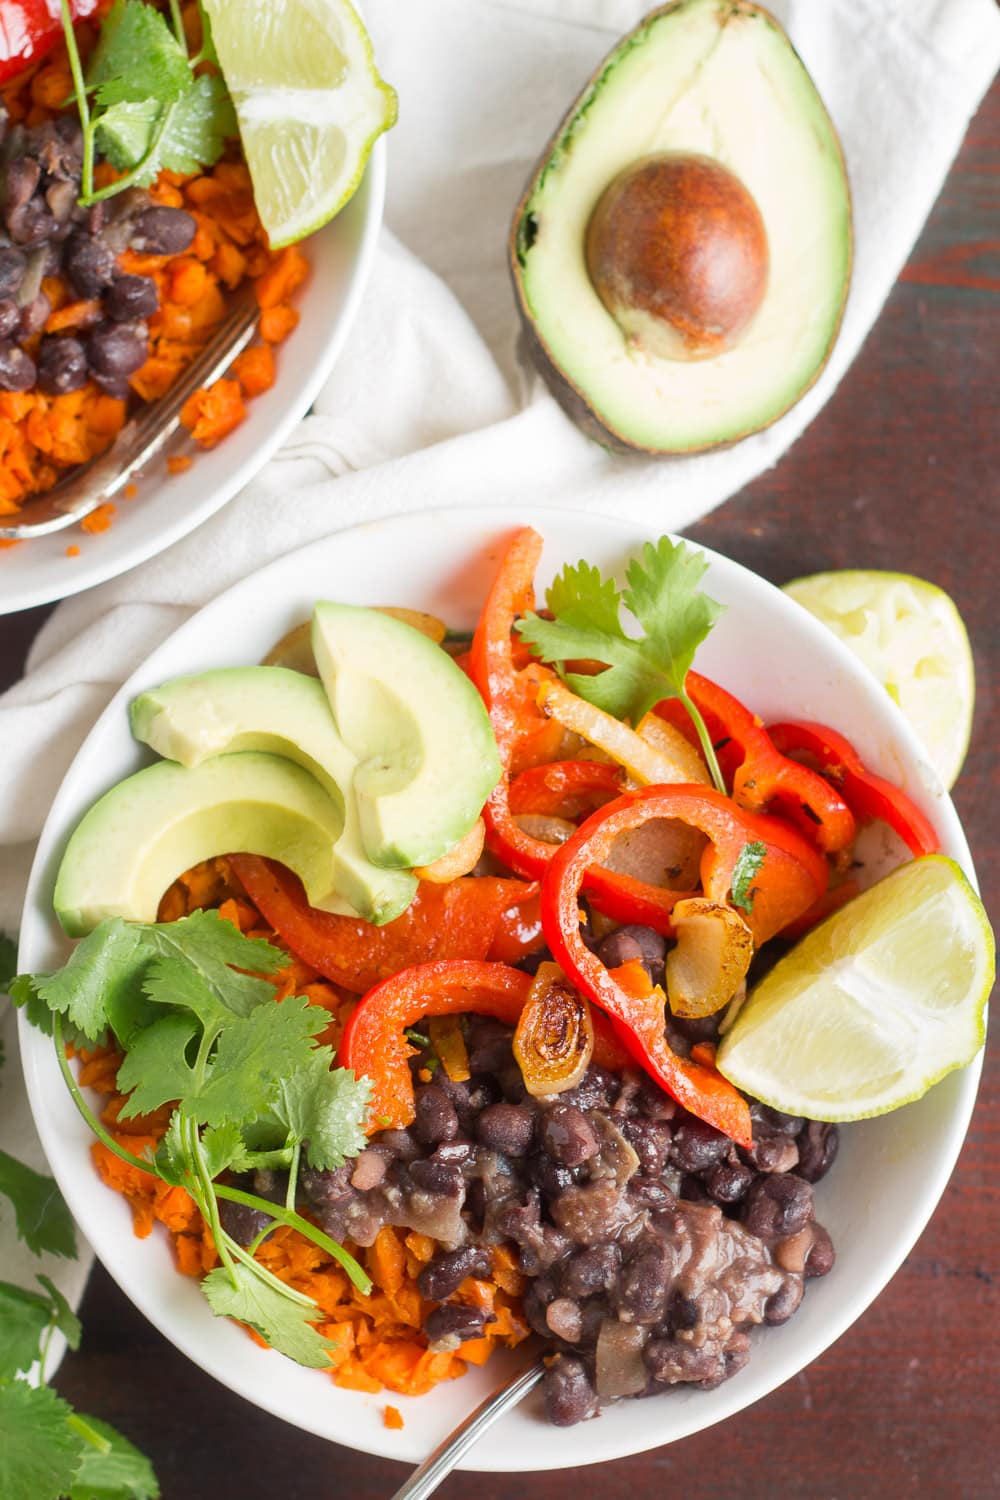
900	470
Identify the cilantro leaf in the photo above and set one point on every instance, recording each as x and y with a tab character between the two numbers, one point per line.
217	949
8	960
254	1054
123	1473
328	1109
284	1324
155	1069
101	974
43	1220
39	1451
63	1316
24	1317
143	137
748	863
137	57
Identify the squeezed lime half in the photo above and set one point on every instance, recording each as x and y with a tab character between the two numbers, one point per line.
873	1006
909	633
309	101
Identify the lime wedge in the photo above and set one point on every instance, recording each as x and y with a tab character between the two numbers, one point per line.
309	101
910	635
875	1005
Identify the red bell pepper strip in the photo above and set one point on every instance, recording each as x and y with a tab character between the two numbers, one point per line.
565	788
457	920
30	28
761	777
868	795
790	878
518	932
374	1044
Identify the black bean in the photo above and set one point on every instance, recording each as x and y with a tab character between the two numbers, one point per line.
651	1193
729	1181
399	1143
60	199
645	1282
671	1363
778	1205
12	264
567	1135
633	942
163	231
89	264
695	1028
35	315
696	1146
10	318
737	1354
435	1119
242	1222
591	1271
779	1308
506	1127
437	1177
20	178
821	1254
569	1395
489	1045
650	1140
768	1121
452	1323
131	297
116	350
550	1177
114	385
597	1089
457	1151
818	1144
564	1318
774	1153
448	1270
62	365
17	369
520	1221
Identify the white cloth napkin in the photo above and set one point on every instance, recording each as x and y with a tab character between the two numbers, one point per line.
429	405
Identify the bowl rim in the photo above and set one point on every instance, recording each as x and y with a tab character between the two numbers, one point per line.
480	526
87	572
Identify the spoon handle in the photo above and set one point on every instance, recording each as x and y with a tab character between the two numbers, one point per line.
425	1480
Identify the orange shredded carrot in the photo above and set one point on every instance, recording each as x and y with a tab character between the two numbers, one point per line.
277	323
130	491
99	519
393	1418
254	369
73	550
178	463
79	314
210	415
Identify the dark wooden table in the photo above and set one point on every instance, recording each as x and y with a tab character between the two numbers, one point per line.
901	470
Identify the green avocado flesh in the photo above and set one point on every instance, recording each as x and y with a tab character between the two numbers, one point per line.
718	78
153	826
235	709
427	758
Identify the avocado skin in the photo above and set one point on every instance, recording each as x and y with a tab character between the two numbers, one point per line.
569	396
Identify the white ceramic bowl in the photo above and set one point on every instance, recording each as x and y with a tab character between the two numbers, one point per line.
890	1173
168	506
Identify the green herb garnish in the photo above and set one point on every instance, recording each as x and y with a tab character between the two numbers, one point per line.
141	104
747	866
664	597
192	1007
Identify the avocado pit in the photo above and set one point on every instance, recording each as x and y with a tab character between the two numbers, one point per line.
677	251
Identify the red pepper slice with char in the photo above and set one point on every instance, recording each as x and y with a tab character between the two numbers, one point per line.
565	788
30	28
791	876
868	795
374	1043
457	920
762	778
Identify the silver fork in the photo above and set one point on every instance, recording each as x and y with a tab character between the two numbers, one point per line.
139	440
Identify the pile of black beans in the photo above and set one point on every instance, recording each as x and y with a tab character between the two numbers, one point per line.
651	1243
45	233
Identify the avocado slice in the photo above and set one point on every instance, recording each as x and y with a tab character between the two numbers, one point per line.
717	81
281	712
427	758
154	825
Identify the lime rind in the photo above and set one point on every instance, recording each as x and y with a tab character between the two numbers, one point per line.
306	139
910	635
874	1006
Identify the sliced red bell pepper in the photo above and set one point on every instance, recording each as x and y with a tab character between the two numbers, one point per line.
868	795
790	878
374	1044
454	921
518	932
30	28
761	777
565	788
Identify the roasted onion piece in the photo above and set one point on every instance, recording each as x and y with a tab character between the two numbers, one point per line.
554	1039
710	961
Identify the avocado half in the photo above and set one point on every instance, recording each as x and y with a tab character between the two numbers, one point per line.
716	78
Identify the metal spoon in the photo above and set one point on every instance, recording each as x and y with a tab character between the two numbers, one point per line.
138	440
425	1480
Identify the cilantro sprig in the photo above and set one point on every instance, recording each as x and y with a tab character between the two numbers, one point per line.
748	864
676	616
141	103
191	1003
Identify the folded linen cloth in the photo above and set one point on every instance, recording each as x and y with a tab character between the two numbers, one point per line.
429	405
